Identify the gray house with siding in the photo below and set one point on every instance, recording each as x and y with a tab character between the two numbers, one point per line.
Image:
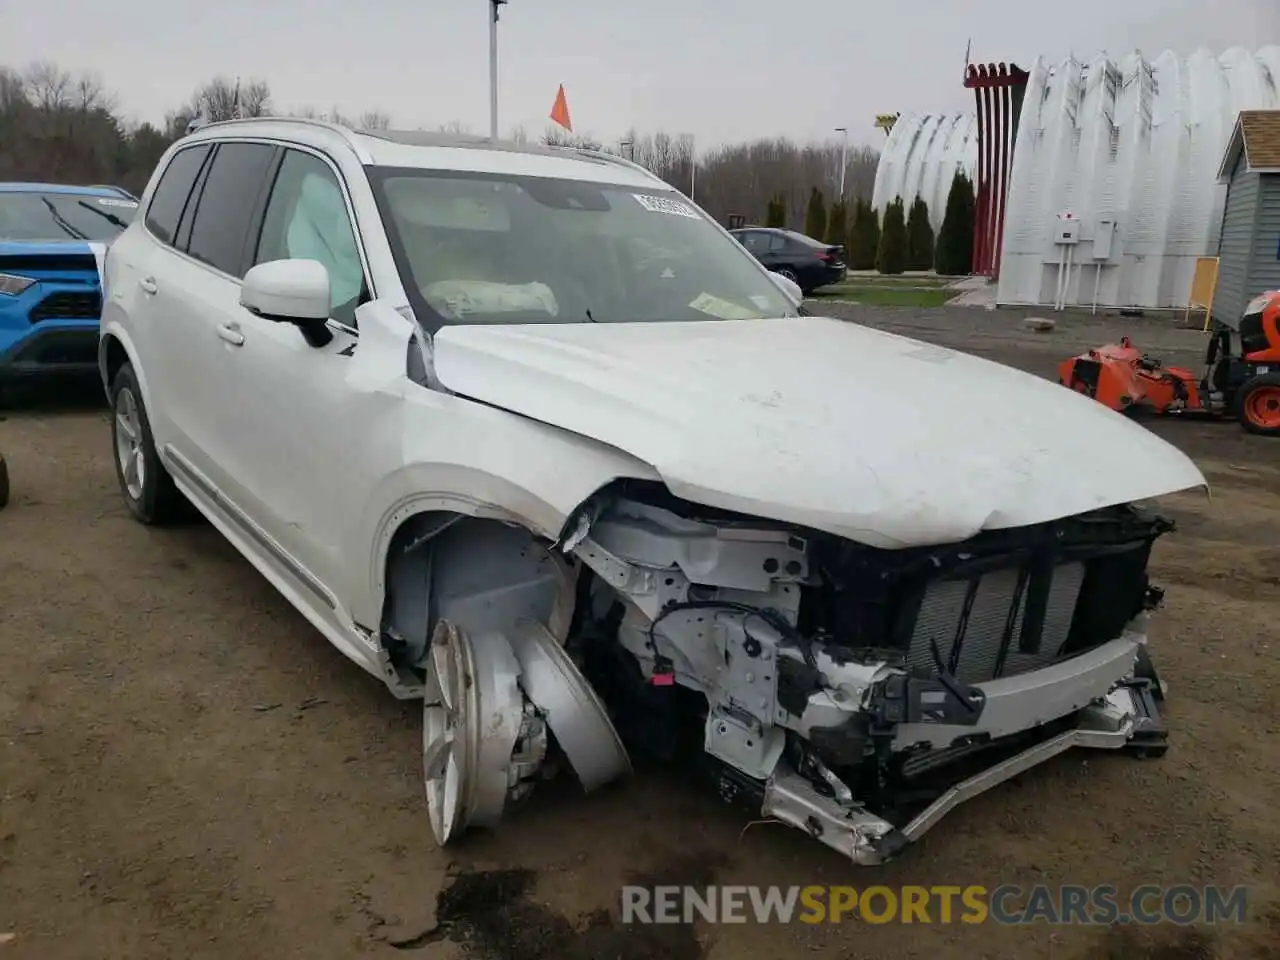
1249	248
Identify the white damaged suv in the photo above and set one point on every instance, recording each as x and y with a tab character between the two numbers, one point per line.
530	437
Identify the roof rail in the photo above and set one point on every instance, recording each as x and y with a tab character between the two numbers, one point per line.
615	159
347	134
111	186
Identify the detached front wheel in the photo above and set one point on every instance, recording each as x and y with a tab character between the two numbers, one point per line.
146	486
1258	406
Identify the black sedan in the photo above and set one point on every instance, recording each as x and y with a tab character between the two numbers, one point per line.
809	263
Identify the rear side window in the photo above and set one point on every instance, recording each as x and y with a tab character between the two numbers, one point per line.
170	196
227	204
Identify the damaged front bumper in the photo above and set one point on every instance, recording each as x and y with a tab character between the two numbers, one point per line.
1127	718
858	696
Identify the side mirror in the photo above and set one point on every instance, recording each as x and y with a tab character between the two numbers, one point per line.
291	291
789	287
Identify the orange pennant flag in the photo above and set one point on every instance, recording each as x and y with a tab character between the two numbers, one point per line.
560	111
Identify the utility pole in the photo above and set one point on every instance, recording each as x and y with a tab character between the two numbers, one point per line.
844	158
493	67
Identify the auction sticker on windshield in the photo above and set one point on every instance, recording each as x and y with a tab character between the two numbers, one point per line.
666	205
720	308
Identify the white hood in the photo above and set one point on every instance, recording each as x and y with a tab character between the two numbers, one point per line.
823	423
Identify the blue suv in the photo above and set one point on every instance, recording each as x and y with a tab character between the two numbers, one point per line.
53	240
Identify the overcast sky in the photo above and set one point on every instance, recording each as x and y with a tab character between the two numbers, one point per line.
719	69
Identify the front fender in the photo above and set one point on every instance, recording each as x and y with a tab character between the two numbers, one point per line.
411	449
475	461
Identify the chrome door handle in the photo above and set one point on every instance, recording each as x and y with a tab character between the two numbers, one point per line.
231	334
148	286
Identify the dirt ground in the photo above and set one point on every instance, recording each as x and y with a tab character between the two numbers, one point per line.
187	769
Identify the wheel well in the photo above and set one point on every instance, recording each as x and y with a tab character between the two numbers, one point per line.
114	357
479	573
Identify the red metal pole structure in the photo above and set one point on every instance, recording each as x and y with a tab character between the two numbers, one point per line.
998	91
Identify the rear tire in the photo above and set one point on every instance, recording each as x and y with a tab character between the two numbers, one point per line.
1258	405
146	486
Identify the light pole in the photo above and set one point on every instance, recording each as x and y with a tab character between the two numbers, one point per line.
844	158
493	67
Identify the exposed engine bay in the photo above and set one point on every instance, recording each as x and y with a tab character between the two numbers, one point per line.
855	693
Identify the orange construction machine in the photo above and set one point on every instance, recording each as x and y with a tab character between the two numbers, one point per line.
1241	379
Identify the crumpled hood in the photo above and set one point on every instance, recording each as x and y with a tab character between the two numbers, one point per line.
831	425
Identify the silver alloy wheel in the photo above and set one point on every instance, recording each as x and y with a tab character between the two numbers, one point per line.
129	453
473	721
789	274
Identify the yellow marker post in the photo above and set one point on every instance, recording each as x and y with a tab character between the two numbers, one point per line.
1203	286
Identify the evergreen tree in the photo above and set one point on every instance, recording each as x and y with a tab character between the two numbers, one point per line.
891	255
837	228
873	235
919	237
777	215
864	236
815	217
954	255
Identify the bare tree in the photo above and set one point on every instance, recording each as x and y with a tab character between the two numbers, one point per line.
374	120
63	126
559	137
49	86
368	120
89	94
255	99
222	99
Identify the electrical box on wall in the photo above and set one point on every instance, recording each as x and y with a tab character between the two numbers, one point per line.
1103	234
1066	229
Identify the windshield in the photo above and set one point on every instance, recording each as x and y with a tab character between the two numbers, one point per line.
497	249
63	216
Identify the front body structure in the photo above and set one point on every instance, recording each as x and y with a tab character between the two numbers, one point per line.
580	539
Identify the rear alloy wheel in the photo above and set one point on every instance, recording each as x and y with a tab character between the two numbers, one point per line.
789	274
146	486
1259	405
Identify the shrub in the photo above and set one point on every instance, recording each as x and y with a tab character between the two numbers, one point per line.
954	254
815	217
837	228
864	237
891	254
919	237
777	214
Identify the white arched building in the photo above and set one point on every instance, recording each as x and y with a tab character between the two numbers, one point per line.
921	158
1130	148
